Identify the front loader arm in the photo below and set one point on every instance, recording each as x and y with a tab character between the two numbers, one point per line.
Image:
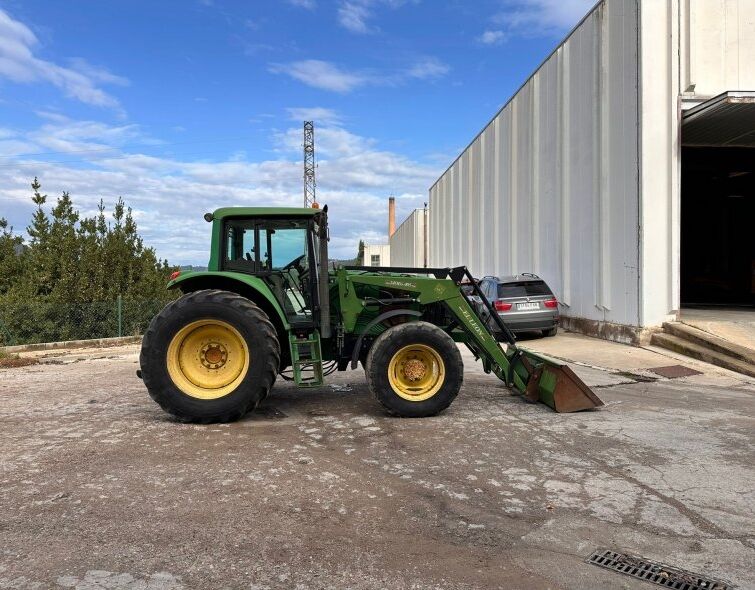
535	376
487	346
425	291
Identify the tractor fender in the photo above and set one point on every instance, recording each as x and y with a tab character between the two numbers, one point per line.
372	324
251	287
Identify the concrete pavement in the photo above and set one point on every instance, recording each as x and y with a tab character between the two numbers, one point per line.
319	489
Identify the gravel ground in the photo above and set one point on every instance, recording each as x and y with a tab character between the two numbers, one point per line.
319	489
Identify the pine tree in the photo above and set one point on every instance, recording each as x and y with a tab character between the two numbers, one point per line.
40	226
65	282
11	252
64	256
38	267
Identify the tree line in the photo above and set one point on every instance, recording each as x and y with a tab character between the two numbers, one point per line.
66	280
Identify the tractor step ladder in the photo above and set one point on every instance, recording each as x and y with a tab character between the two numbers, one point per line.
306	360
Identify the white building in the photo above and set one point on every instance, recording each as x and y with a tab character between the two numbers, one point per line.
377	255
408	245
622	171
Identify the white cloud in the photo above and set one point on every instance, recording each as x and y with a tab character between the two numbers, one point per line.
321	74
542	17
308	4
354	15
329	76
319	115
19	64
492	37
61	134
170	194
428	68
97	73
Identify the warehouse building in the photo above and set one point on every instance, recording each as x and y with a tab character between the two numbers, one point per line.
622	171
409	248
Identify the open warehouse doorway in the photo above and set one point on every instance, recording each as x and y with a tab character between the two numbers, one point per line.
717	241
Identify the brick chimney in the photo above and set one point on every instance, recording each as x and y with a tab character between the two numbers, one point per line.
391	216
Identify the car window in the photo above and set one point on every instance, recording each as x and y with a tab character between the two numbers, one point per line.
523	289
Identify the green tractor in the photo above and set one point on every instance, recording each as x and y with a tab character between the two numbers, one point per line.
269	305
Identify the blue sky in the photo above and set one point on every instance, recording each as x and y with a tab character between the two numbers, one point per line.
184	106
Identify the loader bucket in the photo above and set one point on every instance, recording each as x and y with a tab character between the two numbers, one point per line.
553	383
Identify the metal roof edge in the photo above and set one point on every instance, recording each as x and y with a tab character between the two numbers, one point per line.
406	219
719	98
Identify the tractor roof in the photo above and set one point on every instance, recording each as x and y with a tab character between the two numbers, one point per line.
264	211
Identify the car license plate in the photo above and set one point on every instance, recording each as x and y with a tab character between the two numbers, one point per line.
527	306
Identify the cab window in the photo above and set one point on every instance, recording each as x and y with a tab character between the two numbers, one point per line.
268	245
240	250
284	245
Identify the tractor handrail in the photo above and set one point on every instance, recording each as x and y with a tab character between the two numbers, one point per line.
439	273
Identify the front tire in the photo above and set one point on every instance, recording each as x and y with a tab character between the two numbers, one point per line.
414	370
209	356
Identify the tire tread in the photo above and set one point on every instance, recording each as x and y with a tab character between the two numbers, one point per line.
149	353
453	362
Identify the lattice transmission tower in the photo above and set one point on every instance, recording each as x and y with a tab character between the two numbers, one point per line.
310	184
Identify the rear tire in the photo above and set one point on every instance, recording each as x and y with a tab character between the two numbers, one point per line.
414	370
209	356
552	332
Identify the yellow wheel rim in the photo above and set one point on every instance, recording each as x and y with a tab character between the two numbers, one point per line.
208	359
416	372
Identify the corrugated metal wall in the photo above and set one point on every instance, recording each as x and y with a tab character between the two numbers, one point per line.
551	184
576	178
408	242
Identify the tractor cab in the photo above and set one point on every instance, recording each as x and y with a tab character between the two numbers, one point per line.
280	248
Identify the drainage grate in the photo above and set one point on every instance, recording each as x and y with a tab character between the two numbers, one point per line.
657	573
674	371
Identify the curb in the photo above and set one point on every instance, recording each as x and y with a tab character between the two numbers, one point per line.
94	343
